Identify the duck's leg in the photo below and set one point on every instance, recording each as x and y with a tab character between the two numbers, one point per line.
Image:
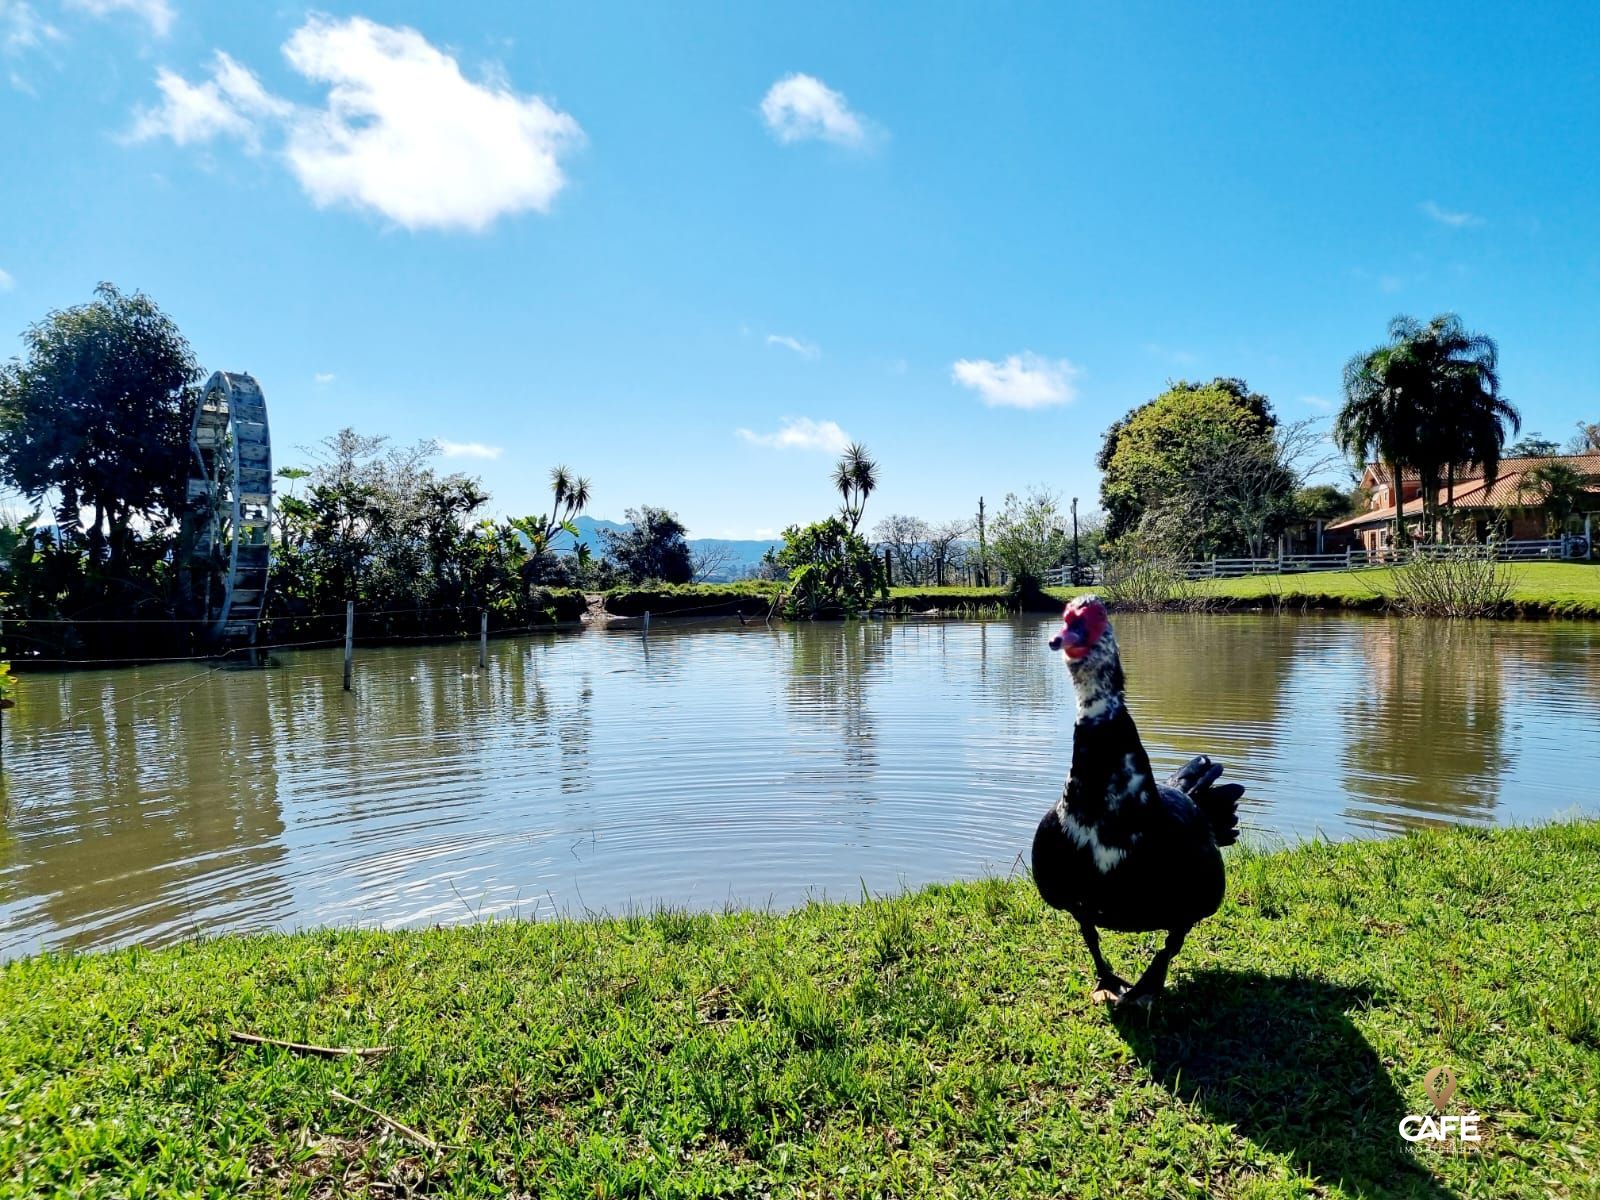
1108	986
1155	975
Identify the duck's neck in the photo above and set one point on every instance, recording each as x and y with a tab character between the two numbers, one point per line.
1097	681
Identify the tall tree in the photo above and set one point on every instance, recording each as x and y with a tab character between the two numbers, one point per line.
1030	539
1173	442
855	476
1535	445
1379	419
96	416
652	547
1466	418
1427	400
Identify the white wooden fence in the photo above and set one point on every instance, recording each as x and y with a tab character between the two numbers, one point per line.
1551	550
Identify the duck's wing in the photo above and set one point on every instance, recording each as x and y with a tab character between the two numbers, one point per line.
1197	780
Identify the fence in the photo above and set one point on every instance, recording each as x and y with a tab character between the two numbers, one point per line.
1546	550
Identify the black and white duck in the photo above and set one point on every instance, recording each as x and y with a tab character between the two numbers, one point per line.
1119	850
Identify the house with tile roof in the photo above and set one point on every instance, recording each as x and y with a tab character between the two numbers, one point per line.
1509	507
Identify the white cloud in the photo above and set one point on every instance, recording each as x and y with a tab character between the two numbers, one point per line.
801	433
800	107
405	134
1455	220
803	349
158	14
231	103
468	449
324	377
1024	380
1317	402
22	28
6	281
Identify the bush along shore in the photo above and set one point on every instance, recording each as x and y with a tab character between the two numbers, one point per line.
940	1043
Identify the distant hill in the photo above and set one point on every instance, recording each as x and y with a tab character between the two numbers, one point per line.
741	554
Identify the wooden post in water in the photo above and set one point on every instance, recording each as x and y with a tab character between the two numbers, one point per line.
645	630
349	640
483	640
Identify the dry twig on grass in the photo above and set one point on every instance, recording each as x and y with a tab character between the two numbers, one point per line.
404	1130
255	1039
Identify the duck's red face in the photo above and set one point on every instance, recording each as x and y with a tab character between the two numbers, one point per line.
1083	624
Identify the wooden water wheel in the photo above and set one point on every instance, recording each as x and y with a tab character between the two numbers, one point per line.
228	526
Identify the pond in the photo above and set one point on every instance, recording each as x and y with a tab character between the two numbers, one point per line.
715	764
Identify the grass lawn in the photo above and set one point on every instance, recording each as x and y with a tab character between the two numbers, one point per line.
936	1044
1558	589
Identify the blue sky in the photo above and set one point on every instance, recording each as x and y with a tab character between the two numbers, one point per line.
616	236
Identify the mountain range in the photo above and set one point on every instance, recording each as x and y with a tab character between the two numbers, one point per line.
740	554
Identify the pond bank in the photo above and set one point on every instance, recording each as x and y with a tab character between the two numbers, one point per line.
1568	590
941	1042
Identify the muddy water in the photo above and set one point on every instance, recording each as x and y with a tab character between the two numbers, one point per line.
719	764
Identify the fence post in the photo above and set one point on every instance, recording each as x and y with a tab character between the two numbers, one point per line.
349	639
483	639
1347	553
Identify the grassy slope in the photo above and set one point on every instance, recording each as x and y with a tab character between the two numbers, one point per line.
1565	589
941	1043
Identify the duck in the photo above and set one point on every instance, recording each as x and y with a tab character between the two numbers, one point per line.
1119	850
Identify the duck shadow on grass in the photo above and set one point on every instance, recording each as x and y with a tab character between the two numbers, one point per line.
1278	1058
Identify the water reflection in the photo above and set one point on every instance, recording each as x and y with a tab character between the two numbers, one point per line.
716	763
1425	733
134	839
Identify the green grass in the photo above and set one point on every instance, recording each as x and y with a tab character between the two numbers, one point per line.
937	1044
1553	589
953	601
751	596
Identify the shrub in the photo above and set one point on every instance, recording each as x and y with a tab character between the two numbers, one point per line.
1134	579
832	572
1462	581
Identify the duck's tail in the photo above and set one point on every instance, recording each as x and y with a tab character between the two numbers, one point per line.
1197	779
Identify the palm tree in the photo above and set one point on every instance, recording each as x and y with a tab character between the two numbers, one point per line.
569	497
1429	400
1560	489
1378	420
855	476
1466	418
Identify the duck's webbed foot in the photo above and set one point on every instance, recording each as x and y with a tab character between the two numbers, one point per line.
1108	986
1143	994
1109	990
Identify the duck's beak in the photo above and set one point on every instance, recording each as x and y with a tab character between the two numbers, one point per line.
1069	641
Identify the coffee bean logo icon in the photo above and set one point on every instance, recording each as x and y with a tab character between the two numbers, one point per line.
1440	1084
